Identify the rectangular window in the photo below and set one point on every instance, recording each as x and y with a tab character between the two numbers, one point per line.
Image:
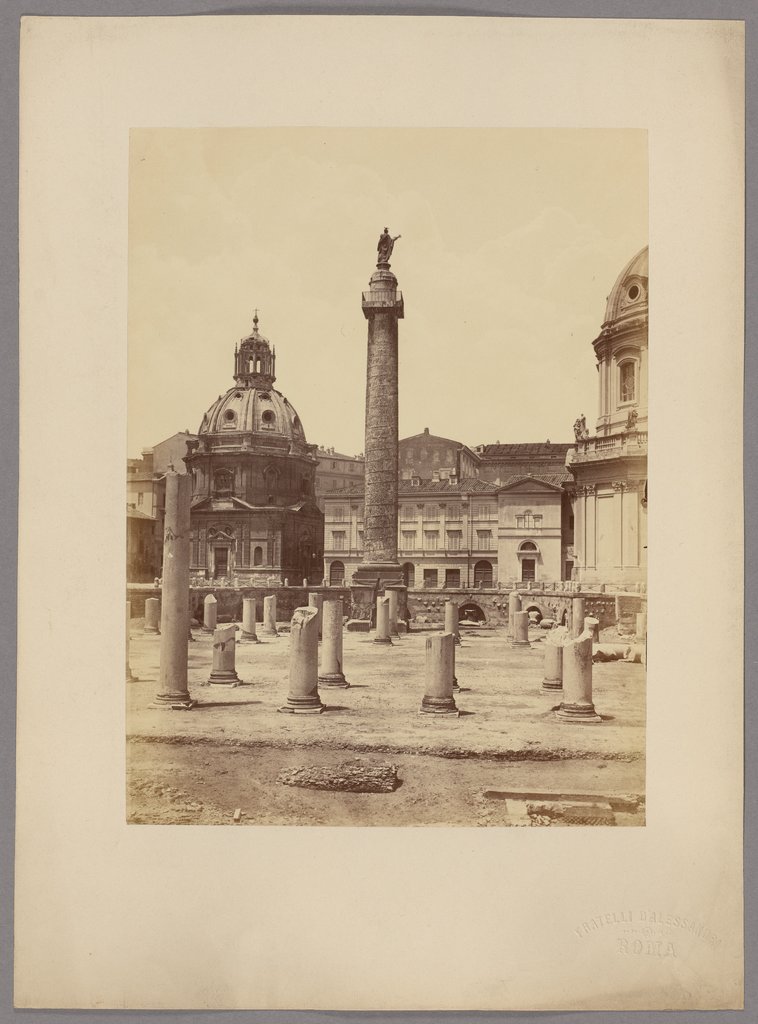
338	540
627	382
360	539
520	522
538	522
454	538
485	511
431	540
454	513
432	513
484	540
453	578
338	513
407	513
140	497
409	540
430	578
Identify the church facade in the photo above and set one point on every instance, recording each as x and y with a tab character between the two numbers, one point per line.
254	516
609	465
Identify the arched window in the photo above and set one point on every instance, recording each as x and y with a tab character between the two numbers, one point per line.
409	574
528	546
627	389
336	574
483	574
258	556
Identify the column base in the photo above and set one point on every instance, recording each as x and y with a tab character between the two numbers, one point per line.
520	643
438	706
552	684
302	706
248	638
382	640
456	687
333	679
228	678
130	677
190	638
152	629
207	629
180	701
584	714
269	632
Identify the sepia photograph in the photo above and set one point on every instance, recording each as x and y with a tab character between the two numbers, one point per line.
387	477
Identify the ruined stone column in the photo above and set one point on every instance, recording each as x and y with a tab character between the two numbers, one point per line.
451	621
391	596
640	628
210	613
553	679
382	621
593	625
438	690
520	636
577	616
514	605
577	703
269	616
223	670
317	601
152	615
330	673
249	635
303	698
130	678
175	612
383	307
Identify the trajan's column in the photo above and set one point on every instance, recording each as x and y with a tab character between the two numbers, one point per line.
382	307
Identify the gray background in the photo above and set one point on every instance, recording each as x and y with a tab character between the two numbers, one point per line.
10	13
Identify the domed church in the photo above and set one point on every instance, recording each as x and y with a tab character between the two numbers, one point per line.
253	511
610	465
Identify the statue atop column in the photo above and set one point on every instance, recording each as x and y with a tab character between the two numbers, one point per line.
385	246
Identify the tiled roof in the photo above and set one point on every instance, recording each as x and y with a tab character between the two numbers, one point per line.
467	486
554	479
511	451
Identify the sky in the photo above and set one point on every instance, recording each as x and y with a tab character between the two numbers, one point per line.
511	242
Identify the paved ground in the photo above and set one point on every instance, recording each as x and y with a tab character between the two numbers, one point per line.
199	766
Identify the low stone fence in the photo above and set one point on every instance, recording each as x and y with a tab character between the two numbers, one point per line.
230	600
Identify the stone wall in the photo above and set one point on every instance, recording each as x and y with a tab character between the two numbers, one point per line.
230	600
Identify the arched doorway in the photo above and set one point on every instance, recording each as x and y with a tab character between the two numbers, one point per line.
471	612
534	611
258	555
483	574
409	574
336	574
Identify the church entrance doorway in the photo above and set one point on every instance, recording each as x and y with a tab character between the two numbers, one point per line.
527	569
220	562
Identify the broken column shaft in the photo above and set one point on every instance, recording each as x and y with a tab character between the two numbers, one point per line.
269	616
303	698
382	621
330	673
223	671
438	690
172	678
249	634
210	613
577	703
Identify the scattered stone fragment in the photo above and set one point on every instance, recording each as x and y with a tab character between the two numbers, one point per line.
348	777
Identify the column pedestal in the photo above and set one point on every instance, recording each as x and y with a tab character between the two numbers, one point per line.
303	698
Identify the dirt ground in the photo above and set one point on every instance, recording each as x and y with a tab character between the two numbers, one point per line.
200	766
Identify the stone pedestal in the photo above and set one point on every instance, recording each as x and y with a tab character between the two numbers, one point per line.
577	616
514	605
382	621
577	703
303	698
130	678
152	615
438	696
330	673
210	614
317	601
520	635
553	679
175	613
269	616
249	635
223	670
